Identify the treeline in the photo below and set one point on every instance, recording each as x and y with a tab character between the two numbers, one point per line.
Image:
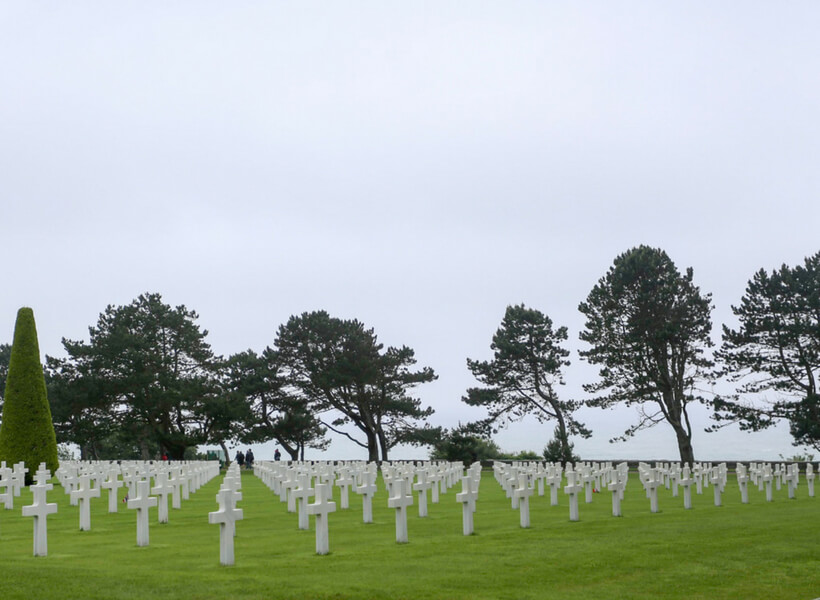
147	383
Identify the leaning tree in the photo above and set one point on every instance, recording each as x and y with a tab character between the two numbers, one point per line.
775	354
648	326
523	375
343	373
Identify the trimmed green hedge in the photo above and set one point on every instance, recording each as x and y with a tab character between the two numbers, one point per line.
27	431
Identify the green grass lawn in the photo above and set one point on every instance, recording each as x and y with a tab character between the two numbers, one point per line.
758	550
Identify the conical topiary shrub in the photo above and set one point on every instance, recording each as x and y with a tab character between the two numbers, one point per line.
26	431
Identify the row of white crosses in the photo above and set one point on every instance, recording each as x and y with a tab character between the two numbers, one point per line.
703	475
292	481
84	480
519	481
78	480
586	478
517	478
12	480
673	476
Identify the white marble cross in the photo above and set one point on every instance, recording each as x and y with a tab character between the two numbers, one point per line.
175	480
131	477
40	510
42	475
7	497
714	479
554	481
434	478
767	481
367	491
651	485
343	483
443	481
810	479
674	478
321	508
587	478
697	472
226	517
791	477
288	485
467	497
573	488
18	477
686	481
421	487
162	490
616	486
400	501
112	484
742	483
83	495
142	502
539	476
523	493
509	487
302	494
185	477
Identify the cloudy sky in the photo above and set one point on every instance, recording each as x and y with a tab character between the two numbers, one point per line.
416	165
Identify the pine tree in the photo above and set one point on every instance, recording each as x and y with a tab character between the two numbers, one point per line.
27	432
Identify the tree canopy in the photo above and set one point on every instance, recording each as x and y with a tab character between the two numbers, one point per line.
648	327
465	444
342	371
153	377
522	377
776	349
276	410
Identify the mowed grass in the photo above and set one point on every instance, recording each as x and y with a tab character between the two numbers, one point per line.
758	550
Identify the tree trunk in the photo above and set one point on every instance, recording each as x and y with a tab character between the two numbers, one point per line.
687	454
566	452
292	450
225	450
372	447
145	452
383	445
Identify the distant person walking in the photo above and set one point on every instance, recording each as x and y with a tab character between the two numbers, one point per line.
277	455
240	459
249	459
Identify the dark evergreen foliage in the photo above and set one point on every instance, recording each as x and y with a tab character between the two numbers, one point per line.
148	374
27	433
560	450
340	369
276	410
776	350
521	378
648	327
464	444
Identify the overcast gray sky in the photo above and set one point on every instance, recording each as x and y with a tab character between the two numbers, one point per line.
416	165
